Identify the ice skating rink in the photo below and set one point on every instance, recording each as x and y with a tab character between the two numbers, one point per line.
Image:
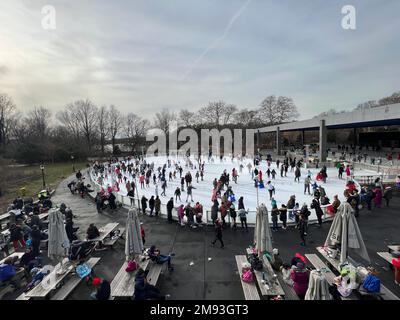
284	186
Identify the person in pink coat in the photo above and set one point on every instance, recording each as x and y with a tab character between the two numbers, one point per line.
300	277
348	171
260	175
378	197
181	214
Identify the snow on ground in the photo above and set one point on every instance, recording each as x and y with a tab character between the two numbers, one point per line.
284	186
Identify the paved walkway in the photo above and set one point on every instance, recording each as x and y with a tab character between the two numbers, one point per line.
218	278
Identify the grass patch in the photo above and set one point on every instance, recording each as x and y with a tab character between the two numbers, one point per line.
30	177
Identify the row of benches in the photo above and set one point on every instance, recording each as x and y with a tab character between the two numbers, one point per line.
256	290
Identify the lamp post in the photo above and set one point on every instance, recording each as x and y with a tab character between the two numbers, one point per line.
73	163
44	182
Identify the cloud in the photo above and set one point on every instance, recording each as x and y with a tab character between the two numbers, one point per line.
134	54
218	40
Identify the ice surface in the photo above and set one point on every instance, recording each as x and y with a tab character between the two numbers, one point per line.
284	187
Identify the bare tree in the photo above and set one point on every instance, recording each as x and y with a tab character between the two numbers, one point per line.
186	118
229	113
115	124
7	118
39	121
103	127
135	130
394	98
81	118
163	120
275	111
246	118
268	110
217	113
286	110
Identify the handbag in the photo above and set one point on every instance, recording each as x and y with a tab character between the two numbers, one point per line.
132	266
247	276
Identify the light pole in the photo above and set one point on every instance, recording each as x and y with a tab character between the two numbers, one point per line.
73	163
44	182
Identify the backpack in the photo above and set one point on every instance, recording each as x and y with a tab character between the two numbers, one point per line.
372	284
247	276
256	263
132	266
83	270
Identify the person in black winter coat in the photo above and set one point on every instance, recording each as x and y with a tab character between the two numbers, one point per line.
92	232
317	207
16	236
111	201
144	204
144	290
170	207
36	236
218	233
151	205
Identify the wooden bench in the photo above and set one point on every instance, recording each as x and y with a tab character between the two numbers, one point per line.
73	282
249	289
385	293
41	291
23	297
15	254
105	232
290	294
154	273
392	248
386	256
123	284
110	242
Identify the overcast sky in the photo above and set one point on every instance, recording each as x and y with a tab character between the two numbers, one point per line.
145	55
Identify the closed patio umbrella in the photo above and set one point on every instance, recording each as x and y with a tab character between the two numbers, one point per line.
345	232
318	287
58	244
262	231
133	238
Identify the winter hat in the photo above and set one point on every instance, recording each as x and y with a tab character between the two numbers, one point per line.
275	251
298	255
96	281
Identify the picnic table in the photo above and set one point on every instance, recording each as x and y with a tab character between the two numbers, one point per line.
41	291
394	248
385	292
73	282
249	289
386	256
271	287
267	280
123	284
105	231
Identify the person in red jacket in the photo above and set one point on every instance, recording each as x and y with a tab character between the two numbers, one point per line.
396	265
